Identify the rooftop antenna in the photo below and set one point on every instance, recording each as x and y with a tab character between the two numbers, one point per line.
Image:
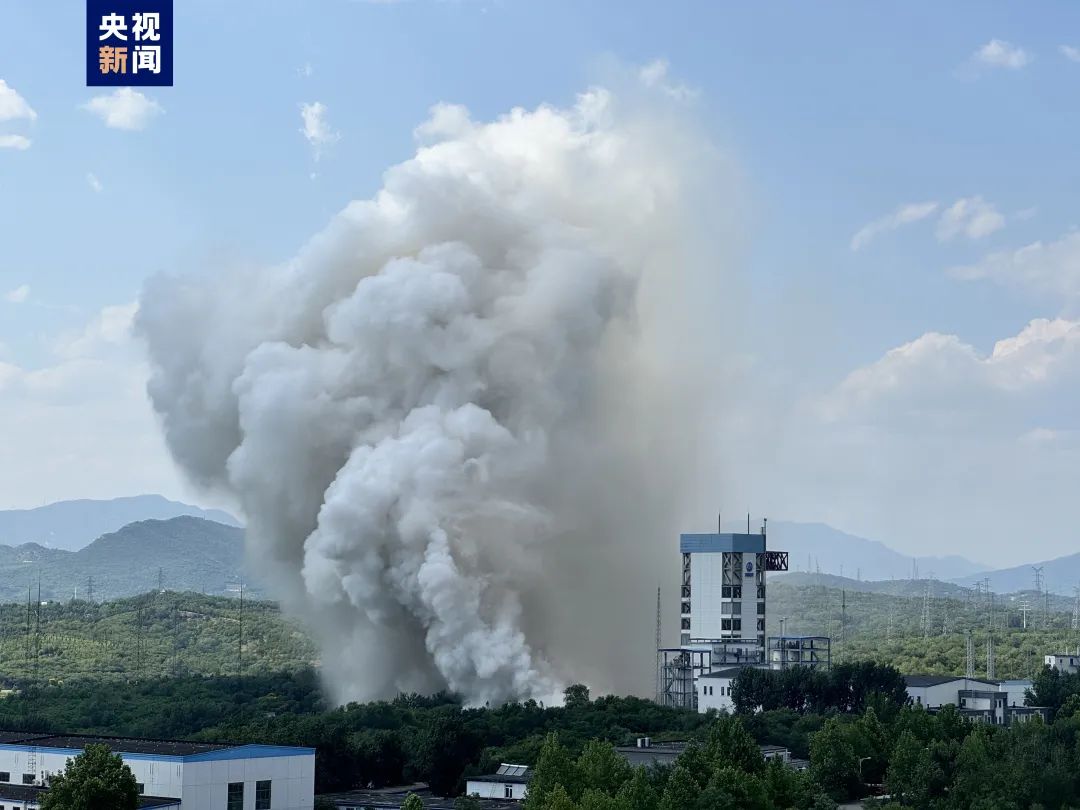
748	523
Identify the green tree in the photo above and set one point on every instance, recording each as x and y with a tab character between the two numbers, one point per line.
466	803
729	743
555	771
441	751
96	779
681	792
602	768
558	799
638	794
833	762
733	789
598	800
576	695
412	802
872	745
912	773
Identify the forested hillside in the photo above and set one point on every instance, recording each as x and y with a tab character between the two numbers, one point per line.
149	636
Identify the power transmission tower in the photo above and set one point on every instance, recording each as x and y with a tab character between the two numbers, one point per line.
1076	609
37	632
161	580
1025	608
969	668
89	589
945	616
29	646
926	611
843	619
1038	569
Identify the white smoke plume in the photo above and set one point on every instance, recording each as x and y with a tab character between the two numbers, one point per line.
457	422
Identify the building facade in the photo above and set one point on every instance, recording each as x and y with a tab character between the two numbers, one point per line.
722	611
1063	662
508	782
194	776
978	699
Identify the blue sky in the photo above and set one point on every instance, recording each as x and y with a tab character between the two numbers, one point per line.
836	114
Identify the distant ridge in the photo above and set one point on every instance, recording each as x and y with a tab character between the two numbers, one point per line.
1061	575
72	525
192	554
817	546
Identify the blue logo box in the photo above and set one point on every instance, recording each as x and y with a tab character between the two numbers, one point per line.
129	43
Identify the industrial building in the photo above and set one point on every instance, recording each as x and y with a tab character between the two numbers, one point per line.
999	703
170	773
722	611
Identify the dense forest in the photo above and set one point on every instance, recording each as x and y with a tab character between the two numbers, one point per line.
184	665
148	636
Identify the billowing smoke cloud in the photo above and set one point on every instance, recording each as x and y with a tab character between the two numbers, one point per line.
458	421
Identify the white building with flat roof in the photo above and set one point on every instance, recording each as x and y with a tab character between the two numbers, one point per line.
1063	662
170	773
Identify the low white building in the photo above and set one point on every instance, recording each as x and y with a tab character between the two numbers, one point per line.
170	773
508	782
978	699
1063	662
714	689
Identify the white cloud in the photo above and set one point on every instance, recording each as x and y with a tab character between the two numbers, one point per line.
19	295
93	182
655	75
306	70
1045	267
316	128
124	108
14	142
904	215
13	107
80	425
972	217
1070	53
999	53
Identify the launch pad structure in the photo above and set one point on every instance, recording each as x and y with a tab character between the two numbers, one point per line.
722	610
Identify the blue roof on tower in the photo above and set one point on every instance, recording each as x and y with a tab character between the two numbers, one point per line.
707	543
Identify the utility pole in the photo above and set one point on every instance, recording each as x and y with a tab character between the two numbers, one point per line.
1025	608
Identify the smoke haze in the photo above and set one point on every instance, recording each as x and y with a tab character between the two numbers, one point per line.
465	423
